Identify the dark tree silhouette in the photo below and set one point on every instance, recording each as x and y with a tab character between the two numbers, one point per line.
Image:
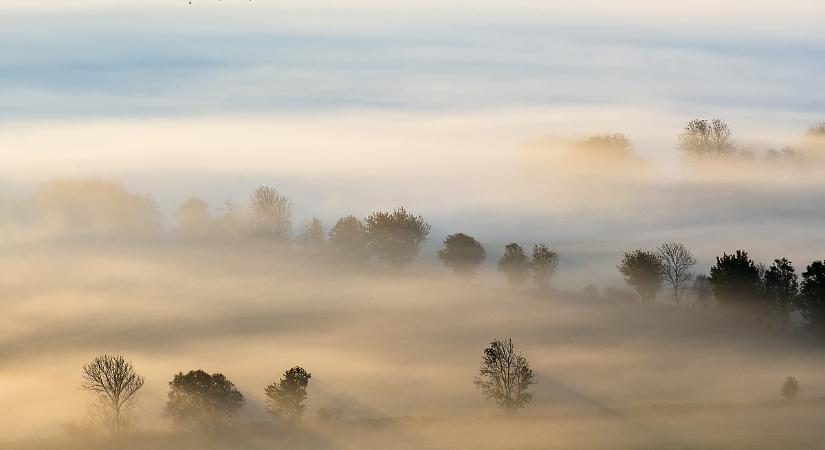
790	388
505	376
642	271
543	265
515	265
707	139
812	297
285	399
701	291
462	253
270	214
675	262
735	280
781	289
198	398
348	238
192	219
116	383
396	237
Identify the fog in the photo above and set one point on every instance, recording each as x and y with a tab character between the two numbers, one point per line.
388	195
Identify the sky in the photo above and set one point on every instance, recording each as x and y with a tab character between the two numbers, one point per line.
348	107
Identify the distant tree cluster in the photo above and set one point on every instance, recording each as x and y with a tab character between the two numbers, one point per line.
518	268
708	140
735	282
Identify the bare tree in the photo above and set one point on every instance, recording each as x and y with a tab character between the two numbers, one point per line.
115	381
270	214
505	376
707	139
675	263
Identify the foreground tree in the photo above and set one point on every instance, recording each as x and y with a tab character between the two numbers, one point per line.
543	265
462	253
285	399
515	265
707	139
781	289
270	214
396	237
812	297
505	376
642	271
192	219
116	383
198	398
348	238
735	280
675	263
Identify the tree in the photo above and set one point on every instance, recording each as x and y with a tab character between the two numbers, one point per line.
781	289
95	208
642	271
116	383
313	235
707	139
270	214
701	291
675	262
608	147
231	219
543	265
192	219
514	265
813	141
462	253
812	297
198	398
790	388
735	280
349	238
396	237
505	376
285	399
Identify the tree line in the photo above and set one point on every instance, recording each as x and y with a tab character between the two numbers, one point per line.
198	399
763	293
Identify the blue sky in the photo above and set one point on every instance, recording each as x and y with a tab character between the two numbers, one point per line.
251	57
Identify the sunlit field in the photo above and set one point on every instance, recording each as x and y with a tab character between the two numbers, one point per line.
395	353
